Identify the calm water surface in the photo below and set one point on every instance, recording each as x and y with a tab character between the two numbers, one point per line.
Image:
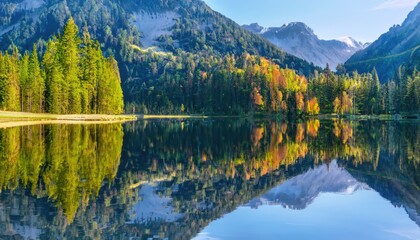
211	179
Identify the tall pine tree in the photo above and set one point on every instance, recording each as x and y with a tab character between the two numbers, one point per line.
70	58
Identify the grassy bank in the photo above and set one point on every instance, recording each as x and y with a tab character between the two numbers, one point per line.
13	119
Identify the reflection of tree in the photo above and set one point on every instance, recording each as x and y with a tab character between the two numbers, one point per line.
207	167
250	150
67	164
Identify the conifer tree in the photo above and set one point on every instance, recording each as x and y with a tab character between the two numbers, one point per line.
37	83
116	99
69	56
10	82
89	73
24	79
14	78
53	79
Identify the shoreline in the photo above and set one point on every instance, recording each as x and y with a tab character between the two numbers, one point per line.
16	119
192	116
382	117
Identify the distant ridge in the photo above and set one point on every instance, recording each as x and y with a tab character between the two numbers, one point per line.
300	40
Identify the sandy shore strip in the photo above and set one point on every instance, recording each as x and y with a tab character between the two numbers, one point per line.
172	117
15	119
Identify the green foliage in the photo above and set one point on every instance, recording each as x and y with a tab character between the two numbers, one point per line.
363	93
68	50
74	78
9	81
36	84
214	85
243	84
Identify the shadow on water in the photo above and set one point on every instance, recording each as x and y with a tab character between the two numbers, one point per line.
171	178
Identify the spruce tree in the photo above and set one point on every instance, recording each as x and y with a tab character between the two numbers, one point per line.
69	56
14	78
88	73
10	82
24	79
53	78
37	83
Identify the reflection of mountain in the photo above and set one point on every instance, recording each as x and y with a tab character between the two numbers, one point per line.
300	191
153	207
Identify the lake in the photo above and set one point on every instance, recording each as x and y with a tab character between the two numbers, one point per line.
211	179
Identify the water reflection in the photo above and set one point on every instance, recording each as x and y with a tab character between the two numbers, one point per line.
300	191
171	178
62	165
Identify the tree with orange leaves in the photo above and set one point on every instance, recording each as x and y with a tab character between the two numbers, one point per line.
312	106
257	99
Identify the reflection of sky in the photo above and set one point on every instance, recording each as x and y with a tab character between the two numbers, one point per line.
362	215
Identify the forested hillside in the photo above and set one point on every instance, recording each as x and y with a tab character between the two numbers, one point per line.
73	77
206	84
171	25
364	94
141	35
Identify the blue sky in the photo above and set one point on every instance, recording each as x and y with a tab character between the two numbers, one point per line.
364	20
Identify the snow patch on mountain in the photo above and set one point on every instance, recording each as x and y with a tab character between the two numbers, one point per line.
300	191
347	40
30	4
154	25
154	207
350	42
264	30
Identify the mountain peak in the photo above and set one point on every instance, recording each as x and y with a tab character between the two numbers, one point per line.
255	28
299	26
293	28
300	40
